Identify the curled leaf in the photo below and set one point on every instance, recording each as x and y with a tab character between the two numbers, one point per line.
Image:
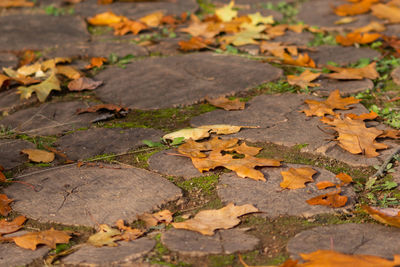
332	199
49	238
37	155
389	216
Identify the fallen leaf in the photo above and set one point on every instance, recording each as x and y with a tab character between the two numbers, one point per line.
51	63
207	30
193	133
152	20
27	57
151	220
195	149
324	184
345	178
368	72
127	25
257	18
96	62
42	89
389	12
303	60
27	70
365	116
129	234
69	72
224	128
195	43
345	20
245	149
105	19
334	101
4	79
394	134
207	221
388	216
332	199
38	156
373	26
16	3
95	108
7	227
83	83
2	176
14	75
287	263
49	238
277	49
357	38
225	103
245	36
354	9
296	178
304	79
5	209
106	236
226	13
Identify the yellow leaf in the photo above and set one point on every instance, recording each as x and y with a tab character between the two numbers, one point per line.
49	237
105	19
152	20
37	155
106	236
69	72
194	133
389	12
304	79
257	18
42	89
226	13
296	178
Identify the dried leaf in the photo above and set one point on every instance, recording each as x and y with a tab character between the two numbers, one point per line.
7	227
42	89
195	149
108	107
345	20
83	83
152	20
96	62
27	57
129	234
105	19
16	3
368	72
195	43
225	103
296	178
106	236
38	156
388	216
224	128
357	38
226	13
151	220
373	26
127	25
207	221
277	49
303	60
394	134
207	30
245	36
51	63
324	184
3	79
5	209
304	79
389	12
365	116
193	133
354	9
245	149
257	18
49	238
345	178
332	199
69	72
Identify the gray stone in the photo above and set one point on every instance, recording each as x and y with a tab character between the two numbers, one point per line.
181	80
8	60
173	165
167	47
44	31
11	101
392	30
396	75
123	255
97	141
11	255
275	201
49	118
346	87
196	245
90	195
246	7
281	123
351	238
299	39
10	152
341	55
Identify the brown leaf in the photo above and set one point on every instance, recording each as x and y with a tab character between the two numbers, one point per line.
5	209
49	238
207	221
129	234
16	3
127	25
37	155
277	49
195	149
95	108
7	227
83	83
389	12
365	116
245	149
96	62
304	79
332	199
394	134
151	220
354	9
345	178
296	178
106	236
195	43
357	38
225	103
353	73
27	57
324	184
388	216
153	19
303	60
2	176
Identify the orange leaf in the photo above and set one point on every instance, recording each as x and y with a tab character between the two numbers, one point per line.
304	79
324	184
384	215
368	72
3	79
37	155
195	149
296	178
365	116
127	26
16	3
225	103
389	12
245	149
345	178
95	108
373	26
11	227
152	20
49	237
105	19
27	57
278	49
195	43
394	134
303	60
354	9
96	62
129	233
332	199
357	37
4	205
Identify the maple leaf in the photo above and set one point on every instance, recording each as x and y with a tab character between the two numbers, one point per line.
7	227
296	178
42	89
368	72
357	38
153	19
129	234
195	149
278	49
303	60
106	236
389	12
16	3
226	13
37	155
225	103
195	43
332	199
207	221
49	238
154	219
334	101
207	30
244	149
257	18
388	216
127	25
247	35
105	19
354	9
83	83
22	79
5	209
304	79
96	62
355	137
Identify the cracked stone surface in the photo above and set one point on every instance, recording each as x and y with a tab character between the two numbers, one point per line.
351	238
396	75
97	141
300	39
44	31
181	80
277	114
392	30
272	200
196	245
12	255
49	118
10	155
166	47
11	101
166	164
346	87
8	60
123	255
86	195
252	6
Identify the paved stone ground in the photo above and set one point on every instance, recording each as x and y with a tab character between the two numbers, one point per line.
165	90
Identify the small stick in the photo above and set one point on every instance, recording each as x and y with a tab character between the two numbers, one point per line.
382	169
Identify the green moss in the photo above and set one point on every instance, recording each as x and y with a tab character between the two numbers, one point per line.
99	30
39	141
103	157
206	7
205	184
221	260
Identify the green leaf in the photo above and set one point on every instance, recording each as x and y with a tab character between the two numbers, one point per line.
42	89
389	185
370	183
177	141
151	143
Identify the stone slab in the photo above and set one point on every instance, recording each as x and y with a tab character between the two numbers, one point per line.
90	195
166	47
392	30
126	253
299	39
44	31
8	60
275	201
181	80
351	238
281	123
346	87
49	118
97	141
396	75
246	7
10	155
11	101
12	255
173	165
341	55
196	245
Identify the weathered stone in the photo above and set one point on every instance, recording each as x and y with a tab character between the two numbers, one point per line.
396	75
49	118
97	141
246	7
8	60
173	165
281	123
341	55
181	80
299	39
123	255
346	87
11	101
351	238
90	195
196	245
43	32
274	201
392	30
10	152
12	255
167	47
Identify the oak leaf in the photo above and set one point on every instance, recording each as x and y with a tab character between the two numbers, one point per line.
129	234
195	149
394	134
357	38
127	25
42	89
296	178
225	103
388	216
106	236
304	79
303	60
153	19
389	12
207	221
195	43
105	19
96	62
257	18
365	116
5	209
368	72
354	9
16	3
83	83
226	13
332	199
324	184
244	149
49	238
37	155
7	227
151	220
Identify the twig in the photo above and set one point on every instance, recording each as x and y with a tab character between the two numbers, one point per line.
382	169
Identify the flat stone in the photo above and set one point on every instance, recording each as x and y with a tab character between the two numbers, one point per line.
281	123
10	152
392	30
97	141
396	75
252	6
341	55
351	238
90	195
12	255
11	101
49	118
44	31
299	39
181	80
196	245
346	87
275	201
166	164
8	60
166	47
126	253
